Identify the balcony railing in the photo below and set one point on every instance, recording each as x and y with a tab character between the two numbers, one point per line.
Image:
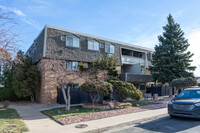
142	78
132	60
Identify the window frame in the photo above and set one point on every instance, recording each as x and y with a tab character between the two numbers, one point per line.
72	66
63	37
73	41
109	45
93	45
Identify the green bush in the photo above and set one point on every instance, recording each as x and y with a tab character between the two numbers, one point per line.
7	94
98	87
125	89
26	79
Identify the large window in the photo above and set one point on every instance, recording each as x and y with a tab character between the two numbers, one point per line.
109	48
72	41
72	66
93	45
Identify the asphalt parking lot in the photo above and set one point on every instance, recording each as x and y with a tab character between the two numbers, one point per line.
164	125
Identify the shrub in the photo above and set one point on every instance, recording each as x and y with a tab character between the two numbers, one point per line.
96	88
7	94
125	89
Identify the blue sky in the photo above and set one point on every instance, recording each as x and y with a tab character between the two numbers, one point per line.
137	22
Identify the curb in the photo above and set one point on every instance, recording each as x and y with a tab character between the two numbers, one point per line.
125	124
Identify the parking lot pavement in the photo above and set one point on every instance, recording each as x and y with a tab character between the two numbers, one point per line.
164	125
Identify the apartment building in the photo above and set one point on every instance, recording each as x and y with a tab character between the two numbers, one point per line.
75	47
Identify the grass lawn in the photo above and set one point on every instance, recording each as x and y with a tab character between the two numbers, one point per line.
141	103
10	122
75	110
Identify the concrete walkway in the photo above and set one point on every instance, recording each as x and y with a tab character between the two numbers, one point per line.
39	123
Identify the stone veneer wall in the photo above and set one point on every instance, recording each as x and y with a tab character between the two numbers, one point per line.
36	50
55	47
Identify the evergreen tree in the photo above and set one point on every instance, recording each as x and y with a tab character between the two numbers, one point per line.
26	79
171	59
9	69
106	63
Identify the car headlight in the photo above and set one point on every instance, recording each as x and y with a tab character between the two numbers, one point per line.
170	102
197	104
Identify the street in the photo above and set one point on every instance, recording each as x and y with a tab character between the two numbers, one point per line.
165	125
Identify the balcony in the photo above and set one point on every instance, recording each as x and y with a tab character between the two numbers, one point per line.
136	78
132	60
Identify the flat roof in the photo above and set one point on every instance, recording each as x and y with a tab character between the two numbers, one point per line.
101	38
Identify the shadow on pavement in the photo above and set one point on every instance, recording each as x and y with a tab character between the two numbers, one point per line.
169	125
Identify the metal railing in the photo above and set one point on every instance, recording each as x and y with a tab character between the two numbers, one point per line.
132	60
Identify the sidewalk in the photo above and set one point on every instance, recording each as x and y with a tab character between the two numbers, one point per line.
39	123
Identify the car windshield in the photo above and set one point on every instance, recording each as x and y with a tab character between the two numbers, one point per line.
189	94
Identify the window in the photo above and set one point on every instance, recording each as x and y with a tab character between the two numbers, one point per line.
89	65
90	45
112	49
109	48
72	66
76	42
75	87
93	45
63	38
69	41
73	41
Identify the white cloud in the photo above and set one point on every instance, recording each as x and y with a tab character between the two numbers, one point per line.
14	10
194	40
32	23
146	40
22	15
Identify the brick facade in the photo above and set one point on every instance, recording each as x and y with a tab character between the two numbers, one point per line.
47	93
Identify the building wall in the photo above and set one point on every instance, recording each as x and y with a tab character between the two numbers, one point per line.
147	71
118	69
56	48
36	49
47	93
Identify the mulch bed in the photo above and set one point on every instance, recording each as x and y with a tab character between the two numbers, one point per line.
109	113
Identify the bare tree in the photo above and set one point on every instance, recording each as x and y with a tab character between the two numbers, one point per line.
8	36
